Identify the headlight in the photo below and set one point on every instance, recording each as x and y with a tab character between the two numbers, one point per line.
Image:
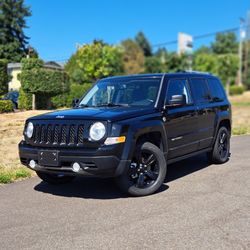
97	131
29	130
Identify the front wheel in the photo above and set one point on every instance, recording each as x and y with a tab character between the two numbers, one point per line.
55	178
221	150
146	173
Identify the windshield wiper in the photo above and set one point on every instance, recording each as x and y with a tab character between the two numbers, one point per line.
83	106
111	104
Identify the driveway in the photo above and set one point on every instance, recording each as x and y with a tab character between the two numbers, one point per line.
200	206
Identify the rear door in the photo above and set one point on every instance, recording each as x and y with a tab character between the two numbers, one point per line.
181	121
206	111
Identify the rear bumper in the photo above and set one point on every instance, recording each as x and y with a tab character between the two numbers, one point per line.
91	163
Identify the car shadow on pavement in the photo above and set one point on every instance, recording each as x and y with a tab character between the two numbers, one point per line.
88	188
186	167
97	188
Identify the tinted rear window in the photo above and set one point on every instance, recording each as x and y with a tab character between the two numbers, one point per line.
216	89
199	89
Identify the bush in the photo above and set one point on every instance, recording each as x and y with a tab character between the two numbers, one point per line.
24	100
4	78
76	91
236	90
6	106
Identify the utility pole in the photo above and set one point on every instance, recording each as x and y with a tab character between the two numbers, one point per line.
247	46
240	52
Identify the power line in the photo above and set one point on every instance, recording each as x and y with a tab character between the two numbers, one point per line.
176	41
197	37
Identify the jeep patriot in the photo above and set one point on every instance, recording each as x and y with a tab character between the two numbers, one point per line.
131	128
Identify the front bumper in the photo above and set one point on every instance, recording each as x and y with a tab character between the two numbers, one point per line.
102	163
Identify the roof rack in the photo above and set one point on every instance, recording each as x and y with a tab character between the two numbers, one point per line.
193	71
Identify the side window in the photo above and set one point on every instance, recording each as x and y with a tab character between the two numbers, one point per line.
200	90
178	87
216	89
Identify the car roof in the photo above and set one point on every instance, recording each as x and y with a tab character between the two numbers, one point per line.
160	75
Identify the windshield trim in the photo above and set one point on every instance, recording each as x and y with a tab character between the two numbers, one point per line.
159	91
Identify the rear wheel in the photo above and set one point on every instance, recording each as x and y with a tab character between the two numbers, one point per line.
55	178
221	150
146	173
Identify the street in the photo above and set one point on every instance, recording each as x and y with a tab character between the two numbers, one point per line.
200	206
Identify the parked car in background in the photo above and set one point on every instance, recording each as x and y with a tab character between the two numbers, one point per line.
12	96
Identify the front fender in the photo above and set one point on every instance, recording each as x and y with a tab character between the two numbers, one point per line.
138	129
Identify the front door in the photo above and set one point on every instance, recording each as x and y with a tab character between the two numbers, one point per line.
181	120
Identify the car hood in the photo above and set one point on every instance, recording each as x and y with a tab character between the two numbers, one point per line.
103	113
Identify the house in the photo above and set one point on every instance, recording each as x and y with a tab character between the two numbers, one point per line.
15	68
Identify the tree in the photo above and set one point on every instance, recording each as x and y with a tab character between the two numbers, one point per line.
12	23
225	43
42	83
203	50
94	61
153	65
206	63
4	78
227	68
133	57
177	62
143	43
246	66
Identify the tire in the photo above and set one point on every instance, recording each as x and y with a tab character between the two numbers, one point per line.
54	178
146	173
221	149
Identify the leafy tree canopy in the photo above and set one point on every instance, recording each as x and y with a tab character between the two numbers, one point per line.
94	61
133	57
225	43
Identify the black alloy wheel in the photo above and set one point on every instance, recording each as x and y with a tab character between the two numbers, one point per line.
221	150
146	172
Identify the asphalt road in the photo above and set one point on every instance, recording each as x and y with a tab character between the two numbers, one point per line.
199	207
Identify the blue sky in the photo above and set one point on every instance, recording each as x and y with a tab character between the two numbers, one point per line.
56	26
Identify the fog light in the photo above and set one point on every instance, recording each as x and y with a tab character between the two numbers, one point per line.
32	164
76	167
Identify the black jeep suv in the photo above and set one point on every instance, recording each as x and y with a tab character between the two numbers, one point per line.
131	128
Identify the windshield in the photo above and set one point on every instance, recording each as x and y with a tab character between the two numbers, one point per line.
136	92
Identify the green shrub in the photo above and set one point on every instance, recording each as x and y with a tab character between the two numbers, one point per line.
76	91
24	100
4	78
5	177
236	90
6	106
22	173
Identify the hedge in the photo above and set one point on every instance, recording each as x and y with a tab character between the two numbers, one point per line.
4	78
44	81
6	106
76	91
236	90
31	63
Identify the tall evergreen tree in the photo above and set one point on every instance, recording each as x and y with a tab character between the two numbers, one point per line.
143	43
13	41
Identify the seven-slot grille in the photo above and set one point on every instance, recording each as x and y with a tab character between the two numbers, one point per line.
58	134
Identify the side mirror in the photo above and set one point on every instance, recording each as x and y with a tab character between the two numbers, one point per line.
75	102
177	100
